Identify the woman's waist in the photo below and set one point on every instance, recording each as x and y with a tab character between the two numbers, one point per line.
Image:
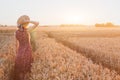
25	45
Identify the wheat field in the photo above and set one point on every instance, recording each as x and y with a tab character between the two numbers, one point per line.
65	53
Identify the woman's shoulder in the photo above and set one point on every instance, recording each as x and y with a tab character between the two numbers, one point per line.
16	31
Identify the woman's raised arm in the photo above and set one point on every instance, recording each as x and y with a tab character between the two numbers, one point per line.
34	26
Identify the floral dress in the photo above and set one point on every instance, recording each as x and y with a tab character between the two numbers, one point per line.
23	58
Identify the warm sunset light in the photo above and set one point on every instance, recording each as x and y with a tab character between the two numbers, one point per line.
60	40
74	19
56	12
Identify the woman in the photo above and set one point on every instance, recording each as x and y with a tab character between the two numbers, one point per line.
23	58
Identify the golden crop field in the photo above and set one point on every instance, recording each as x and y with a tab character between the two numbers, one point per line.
65	53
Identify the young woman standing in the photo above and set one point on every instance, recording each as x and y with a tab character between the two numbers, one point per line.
24	57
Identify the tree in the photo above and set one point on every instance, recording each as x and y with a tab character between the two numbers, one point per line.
109	24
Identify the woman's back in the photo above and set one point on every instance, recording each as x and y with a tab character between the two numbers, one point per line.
24	54
23	37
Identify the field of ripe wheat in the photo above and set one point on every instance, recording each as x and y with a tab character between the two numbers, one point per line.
101	46
66	54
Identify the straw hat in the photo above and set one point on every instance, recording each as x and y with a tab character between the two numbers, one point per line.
22	19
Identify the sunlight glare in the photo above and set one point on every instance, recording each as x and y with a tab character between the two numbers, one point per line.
74	19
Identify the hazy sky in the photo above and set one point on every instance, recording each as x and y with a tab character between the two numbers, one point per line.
61	11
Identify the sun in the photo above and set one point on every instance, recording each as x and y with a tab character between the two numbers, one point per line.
74	19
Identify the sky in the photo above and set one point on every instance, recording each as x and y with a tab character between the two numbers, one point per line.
55	12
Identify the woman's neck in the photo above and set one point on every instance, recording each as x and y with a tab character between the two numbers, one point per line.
22	29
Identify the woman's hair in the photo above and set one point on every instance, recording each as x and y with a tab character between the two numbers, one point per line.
20	27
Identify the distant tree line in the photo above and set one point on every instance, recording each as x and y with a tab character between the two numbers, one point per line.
108	24
3	25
